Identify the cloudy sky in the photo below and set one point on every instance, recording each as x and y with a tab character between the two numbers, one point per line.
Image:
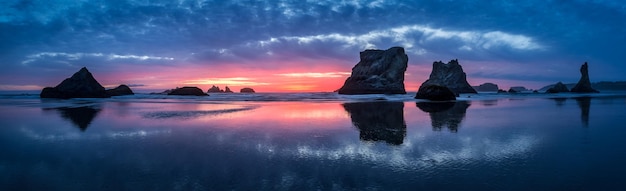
304	45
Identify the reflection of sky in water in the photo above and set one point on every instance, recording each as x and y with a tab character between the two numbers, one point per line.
282	145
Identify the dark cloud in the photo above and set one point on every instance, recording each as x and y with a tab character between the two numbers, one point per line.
535	34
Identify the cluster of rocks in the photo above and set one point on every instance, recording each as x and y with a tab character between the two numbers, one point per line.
377	72
216	89
583	85
83	85
382	72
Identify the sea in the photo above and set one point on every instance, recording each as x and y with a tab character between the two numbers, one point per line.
314	141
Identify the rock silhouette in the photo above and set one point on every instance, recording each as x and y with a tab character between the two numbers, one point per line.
215	89
445	114
81	85
378	72
449	75
378	121
191	91
435	93
558	88
120	91
227	90
486	87
584	84
246	90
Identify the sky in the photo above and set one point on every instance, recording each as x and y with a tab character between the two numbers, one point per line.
304	45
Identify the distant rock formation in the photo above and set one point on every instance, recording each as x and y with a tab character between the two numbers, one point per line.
191	91
246	90
81	85
449	75
558	88
378	72
215	89
378	121
227	90
120	91
435	93
486	87
584	84
445	114
518	89
600	86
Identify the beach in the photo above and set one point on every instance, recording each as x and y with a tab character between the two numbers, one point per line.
319	141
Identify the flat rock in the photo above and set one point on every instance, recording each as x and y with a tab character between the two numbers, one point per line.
486	87
120	91
246	90
190	91
378	72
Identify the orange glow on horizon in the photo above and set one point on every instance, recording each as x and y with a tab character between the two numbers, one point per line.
308	76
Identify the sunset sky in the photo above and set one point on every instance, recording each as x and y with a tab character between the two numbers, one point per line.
304	45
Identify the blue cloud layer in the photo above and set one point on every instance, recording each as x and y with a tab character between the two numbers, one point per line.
48	35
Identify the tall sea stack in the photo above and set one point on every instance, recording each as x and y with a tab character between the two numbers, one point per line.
584	84
448	75
378	72
81	85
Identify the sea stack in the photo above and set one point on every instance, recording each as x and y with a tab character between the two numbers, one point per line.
227	90
120	91
81	85
187	91
558	88
449	75
486	87
584	84
378	72
215	89
246	90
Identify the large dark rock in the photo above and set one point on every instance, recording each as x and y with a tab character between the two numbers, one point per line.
120	91
215	89
246	90
81	85
191	91
558	88
435	93
449	75
486	87
584	84
378	121
227	90
378	72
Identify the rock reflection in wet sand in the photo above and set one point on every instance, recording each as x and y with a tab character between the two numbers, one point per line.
445	114
378	121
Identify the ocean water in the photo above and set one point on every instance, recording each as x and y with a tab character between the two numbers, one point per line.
319	141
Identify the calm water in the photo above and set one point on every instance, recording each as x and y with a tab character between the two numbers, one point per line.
514	143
